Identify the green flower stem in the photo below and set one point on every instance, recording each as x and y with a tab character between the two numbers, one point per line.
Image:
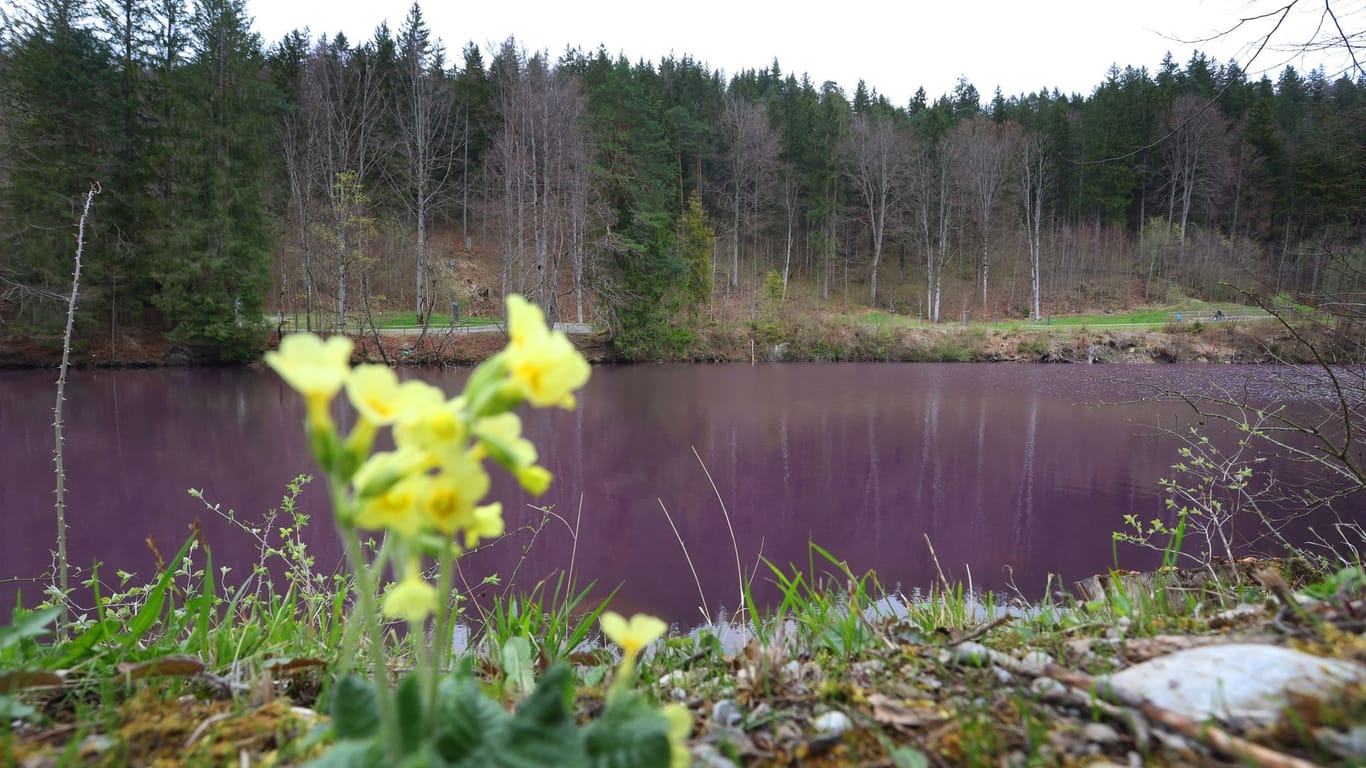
366	587
621	682
423	668
445	619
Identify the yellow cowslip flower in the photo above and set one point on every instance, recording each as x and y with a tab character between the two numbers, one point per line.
546	373
375	393
396	509
526	322
534	480
680	727
411	599
416	398
503	434
438	428
315	368
543	367
485	523
449	497
634	635
382	470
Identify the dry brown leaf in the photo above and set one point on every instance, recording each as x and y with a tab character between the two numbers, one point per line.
290	665
889	711
18	680
174	666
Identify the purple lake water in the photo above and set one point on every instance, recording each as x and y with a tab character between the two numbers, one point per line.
1012	471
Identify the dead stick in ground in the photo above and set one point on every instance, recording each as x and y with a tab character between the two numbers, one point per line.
976	633
1212	736
943	582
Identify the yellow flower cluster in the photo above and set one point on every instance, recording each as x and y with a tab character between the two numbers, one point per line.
434	479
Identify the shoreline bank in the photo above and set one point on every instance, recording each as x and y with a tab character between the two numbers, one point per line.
797	340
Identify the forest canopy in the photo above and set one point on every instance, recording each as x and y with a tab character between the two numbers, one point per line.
326	178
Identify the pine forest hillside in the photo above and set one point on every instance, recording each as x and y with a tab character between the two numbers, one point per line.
329	178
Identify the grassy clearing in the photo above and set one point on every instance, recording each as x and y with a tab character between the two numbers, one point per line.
388	320
1150	317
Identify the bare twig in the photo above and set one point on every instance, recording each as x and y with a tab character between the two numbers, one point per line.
739	571
700	594
980	631
63	573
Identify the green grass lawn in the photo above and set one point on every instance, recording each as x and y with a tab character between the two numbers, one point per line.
391	319
1152	317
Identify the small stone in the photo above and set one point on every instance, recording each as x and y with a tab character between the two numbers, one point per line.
832	723
1234	615
725	713
1047	686
706	756
1100	733
1002	676
1035	662
871	667
678	694
971	655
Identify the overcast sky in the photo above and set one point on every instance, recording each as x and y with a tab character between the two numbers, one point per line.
1019	45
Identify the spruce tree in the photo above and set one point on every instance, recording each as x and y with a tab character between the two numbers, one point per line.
213	258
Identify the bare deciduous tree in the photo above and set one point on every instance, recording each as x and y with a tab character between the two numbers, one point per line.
751	157
1195	143
427	140
1033	182
983	152
932	190
539	162
877	162
344	109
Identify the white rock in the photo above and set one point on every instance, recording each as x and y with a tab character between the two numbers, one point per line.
973	655
1035	662
1100	733
706	756
1047	686
831	723
1246	682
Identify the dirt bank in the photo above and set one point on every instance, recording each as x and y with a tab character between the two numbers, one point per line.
796	340
837	340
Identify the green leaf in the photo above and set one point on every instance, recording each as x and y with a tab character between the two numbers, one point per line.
150	612
542	733
82	644
12	709
354	708
412	720
468	724
908	757
349	754
516	653
32	625
630	734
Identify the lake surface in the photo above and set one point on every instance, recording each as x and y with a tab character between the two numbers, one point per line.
1012	471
